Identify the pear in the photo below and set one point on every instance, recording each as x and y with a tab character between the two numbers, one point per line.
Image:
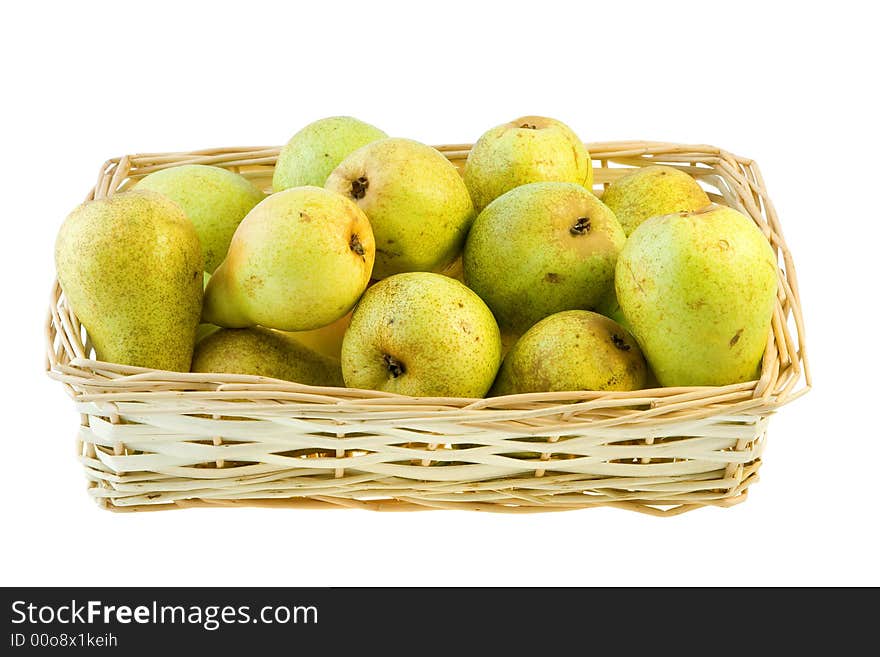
130	266
572	350
539	249
298	261
313	152
698	289
264	352
652	191
215	201
416	201
526	150
421	334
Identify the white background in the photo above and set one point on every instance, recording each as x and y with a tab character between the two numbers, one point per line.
791	85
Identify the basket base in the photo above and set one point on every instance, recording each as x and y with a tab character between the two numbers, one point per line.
652	508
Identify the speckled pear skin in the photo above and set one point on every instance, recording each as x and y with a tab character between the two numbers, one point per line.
313	152
650	192
416	201
215	201
264	352
421	334
540	249
572	350
698	290
130	266
526	150
298	261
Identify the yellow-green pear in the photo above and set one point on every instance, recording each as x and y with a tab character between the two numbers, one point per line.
526	150
572	350
264	352
215	200
130	266
698	290
416	201
421	334
313	152
652	191
539	249
298	261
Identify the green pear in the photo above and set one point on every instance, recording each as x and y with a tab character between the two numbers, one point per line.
415	199
215	201
572	350
130	266
542	248
698	289
526	150
298	261
264	352
421	334
652	191
313	152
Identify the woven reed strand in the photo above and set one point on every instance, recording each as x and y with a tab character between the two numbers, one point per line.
156	440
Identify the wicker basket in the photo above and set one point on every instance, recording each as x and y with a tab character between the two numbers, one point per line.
160	440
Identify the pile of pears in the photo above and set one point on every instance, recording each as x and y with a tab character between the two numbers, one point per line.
376	264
